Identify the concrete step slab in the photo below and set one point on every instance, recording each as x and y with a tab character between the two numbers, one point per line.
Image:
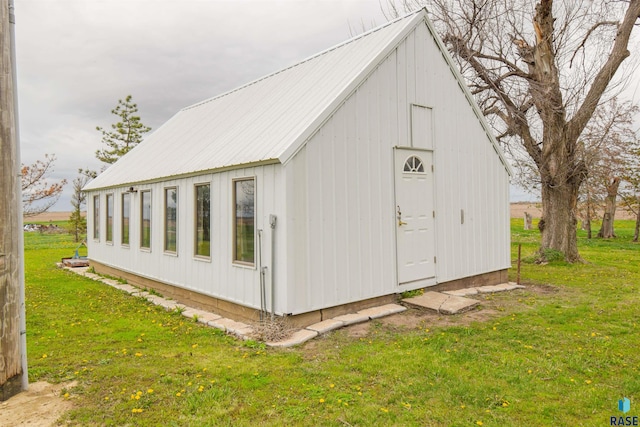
352	318
208	317
382	311
325	326
298	337
442	303
499	288
462	292
231	326
127	288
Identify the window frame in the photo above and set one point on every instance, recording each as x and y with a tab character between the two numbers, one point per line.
127	227
413	165
109	214
196	240
166	221
142	228
235	260
96	217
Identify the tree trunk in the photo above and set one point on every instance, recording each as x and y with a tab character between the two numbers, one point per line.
527	221
606	229
558	224
637	232
588	224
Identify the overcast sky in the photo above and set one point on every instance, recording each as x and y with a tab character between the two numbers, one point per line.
76	58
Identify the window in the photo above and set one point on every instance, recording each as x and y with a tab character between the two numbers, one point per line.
244	227
109	231
414	164
145	213
203	220
96	217
170	219
126	213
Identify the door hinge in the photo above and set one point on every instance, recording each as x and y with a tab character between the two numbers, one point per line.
434	260
431	168
434	214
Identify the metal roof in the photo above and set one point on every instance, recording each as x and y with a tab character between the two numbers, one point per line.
266	120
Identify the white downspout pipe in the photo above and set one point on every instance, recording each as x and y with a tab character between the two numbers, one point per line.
272	223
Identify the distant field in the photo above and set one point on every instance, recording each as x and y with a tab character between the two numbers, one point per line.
517	211
49	216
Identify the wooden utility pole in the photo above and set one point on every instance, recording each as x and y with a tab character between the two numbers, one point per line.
13	367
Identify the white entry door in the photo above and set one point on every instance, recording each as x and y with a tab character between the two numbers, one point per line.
415	229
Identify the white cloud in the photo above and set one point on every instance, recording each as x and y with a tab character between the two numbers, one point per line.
76	58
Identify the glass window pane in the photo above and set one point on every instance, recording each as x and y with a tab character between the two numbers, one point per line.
145	229
203	220
96	217
170	219
244	196
126	209
109	236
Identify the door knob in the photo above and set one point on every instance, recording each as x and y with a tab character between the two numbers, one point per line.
399	216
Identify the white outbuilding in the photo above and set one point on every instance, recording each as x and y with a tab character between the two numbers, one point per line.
337	183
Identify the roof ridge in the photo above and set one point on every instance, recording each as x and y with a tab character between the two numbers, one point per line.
314	56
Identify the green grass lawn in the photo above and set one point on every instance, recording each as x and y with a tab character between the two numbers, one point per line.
561	352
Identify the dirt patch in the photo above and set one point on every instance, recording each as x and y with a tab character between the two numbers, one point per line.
491	306
40	406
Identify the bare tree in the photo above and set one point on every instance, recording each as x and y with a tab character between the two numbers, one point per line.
38	195
77	222
606	147
539	71
631	191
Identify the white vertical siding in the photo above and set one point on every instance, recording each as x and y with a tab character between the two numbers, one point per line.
335	202
216	277
344	178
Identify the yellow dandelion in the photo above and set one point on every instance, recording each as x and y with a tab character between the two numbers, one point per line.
321	400
479	423
462	406
194	346
332	385
44	356
66	395
385	410
138	354
150	391
106	398
588	381
178	394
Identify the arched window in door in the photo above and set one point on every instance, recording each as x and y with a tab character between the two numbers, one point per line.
414	165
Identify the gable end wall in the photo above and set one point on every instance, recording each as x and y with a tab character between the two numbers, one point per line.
340	185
